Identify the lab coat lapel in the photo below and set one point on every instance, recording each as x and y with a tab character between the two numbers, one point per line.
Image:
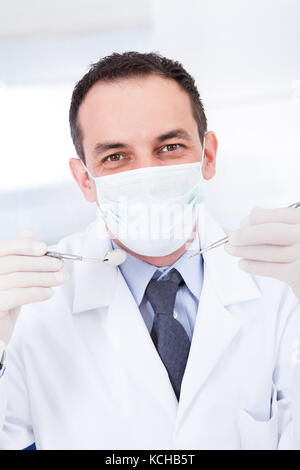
216	327
99	285
133	345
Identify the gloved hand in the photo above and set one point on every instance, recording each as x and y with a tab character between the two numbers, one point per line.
268	241
26	276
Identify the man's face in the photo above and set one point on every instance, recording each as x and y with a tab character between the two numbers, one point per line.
135	123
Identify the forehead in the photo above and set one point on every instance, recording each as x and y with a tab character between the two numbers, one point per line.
134	106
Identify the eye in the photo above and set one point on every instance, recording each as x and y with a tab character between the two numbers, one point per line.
114	158
170	147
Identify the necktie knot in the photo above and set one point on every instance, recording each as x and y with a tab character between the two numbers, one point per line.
162	294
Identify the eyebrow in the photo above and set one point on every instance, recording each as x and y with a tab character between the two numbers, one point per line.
105	146
102	147
179	133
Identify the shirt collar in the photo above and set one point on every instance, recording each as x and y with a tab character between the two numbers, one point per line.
137	273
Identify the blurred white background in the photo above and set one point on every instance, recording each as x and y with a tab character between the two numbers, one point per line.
244	55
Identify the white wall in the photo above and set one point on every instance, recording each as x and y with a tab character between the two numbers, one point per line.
245	58
42	56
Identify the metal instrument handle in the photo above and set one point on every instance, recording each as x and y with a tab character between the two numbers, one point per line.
225	240
54	254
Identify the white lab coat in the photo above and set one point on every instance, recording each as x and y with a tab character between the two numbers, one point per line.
82	371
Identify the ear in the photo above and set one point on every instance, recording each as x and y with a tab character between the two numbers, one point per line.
86	185
211	147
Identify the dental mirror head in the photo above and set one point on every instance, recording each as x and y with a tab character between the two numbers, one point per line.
114	257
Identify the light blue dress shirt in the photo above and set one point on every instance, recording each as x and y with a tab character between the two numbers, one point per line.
137	274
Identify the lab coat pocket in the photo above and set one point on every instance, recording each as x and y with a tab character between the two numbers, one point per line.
259	435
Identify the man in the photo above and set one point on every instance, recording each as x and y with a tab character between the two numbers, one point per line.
165	351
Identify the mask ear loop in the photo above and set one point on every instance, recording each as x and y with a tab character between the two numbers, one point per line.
203	151
88	172
98	212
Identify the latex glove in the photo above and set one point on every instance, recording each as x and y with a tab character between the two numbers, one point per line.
26	276
268	241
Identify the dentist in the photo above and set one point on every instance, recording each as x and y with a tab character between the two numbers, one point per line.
163	351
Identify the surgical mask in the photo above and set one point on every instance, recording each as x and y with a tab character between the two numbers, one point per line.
152	210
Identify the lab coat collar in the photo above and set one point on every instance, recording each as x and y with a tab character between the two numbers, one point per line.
130	268
94	284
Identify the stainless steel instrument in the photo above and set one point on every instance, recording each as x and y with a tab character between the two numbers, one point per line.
225	239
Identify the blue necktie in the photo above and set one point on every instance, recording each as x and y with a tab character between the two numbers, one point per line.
168	335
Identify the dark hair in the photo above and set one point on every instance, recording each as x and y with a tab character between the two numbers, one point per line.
133	64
